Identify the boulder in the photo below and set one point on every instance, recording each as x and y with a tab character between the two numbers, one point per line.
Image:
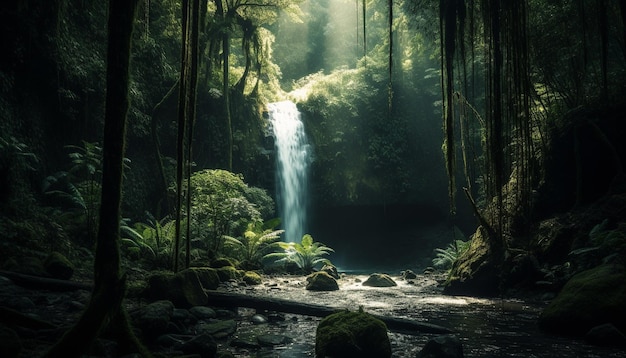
331	270
217	329
606	335
58	266
208	277
474	273
202	312
352	334
589	299
409	275
252	278
379	280
222	262
445	346
227	273
154	318
183	288
203	345
321	281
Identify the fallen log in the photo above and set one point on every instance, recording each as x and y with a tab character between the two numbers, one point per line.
394	324
46	283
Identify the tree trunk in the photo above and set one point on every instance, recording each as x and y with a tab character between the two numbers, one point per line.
105	307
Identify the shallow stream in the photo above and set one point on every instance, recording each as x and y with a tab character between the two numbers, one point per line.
486	327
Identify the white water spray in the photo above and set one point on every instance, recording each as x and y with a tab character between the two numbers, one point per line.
292	152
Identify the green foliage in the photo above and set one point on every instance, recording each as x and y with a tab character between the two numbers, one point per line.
15	154
609	240
222	204
255	242
307	254
446	257
151	241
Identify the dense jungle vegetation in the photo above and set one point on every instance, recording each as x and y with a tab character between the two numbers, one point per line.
504	116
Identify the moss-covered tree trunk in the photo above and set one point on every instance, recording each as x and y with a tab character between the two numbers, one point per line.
105	307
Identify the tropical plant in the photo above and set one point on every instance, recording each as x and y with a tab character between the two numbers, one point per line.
255	242
151	240
446	257
306	255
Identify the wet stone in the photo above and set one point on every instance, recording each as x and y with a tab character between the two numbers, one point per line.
270	340
218	329
245	341
203	313
258	319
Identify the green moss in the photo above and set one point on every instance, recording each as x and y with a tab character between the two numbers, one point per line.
227	273
589	299
352	334
252	278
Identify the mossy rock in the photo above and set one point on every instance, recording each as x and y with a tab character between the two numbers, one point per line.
222	262
474	273
252	278
589	299
208	277
227	273
321	281
379	280
183	289
58	266
352	334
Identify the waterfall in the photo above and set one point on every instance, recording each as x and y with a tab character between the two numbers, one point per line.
292	152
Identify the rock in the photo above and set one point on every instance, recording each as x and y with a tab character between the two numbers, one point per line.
202	312
203	344
270	340
474	273
246	341
208	277
218	329
258	319
222	262
606	335
58	266
445	346
409	275
590	298
227	273
379	280
352	334
183	289
252	278
321	281
153	319
10	344
331	270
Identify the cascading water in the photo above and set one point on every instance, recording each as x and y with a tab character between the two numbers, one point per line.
292	152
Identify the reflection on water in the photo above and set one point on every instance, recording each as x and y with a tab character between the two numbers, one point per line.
486	327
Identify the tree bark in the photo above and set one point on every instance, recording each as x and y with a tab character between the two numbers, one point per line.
105	307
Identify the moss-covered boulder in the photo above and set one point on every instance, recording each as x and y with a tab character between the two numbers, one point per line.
321	281
379	280
352	334
183	288
58	266
589	299
474	273
208	277
227	273
252	278
222	262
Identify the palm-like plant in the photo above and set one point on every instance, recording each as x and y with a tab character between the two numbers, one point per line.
306	255
255	242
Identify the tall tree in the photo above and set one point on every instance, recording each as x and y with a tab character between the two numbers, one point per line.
105	308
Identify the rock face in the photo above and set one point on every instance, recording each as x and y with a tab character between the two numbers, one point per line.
352	334
591	298
446	346
321	281
379	280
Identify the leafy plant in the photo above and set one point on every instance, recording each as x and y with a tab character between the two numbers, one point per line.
306	255
152	240
255	242
446	257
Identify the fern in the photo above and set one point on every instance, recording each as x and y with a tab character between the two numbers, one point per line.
306	255
446	257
